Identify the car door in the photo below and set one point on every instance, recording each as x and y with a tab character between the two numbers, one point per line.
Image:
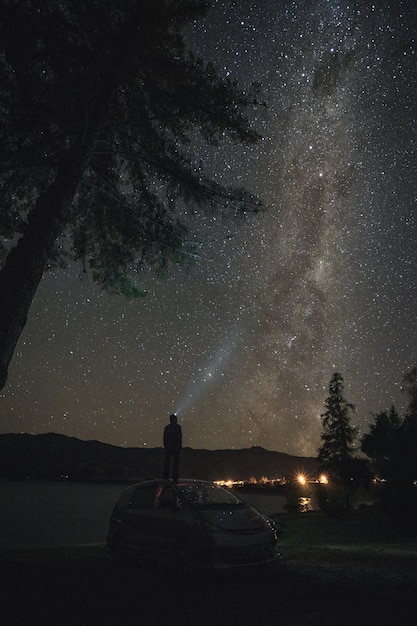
138	523
168	519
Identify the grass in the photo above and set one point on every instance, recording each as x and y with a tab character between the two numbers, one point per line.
358	550
314	540
352	569
356	531
61	553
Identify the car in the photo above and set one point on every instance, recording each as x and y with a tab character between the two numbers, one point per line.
190	524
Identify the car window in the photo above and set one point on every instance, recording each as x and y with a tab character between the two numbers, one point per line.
143	497
125	498
207	495
165	498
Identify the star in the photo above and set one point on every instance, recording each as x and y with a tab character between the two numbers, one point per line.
245	344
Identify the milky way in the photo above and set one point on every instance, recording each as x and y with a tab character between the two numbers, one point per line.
324	280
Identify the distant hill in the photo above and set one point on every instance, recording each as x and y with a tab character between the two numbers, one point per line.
52	456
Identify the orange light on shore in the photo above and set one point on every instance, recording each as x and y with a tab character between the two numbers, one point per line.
323	479
301	479
228	482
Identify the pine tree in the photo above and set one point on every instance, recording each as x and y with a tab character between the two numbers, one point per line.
391	444
102	112
381	444
410	388
336	454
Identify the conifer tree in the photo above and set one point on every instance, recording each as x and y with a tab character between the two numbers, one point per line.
103	110
391	444
336	454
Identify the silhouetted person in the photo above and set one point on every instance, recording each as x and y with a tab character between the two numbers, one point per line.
172	445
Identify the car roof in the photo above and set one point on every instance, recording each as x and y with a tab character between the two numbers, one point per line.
179	483
127	492
162	481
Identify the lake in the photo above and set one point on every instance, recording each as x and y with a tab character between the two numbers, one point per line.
49	514
37	514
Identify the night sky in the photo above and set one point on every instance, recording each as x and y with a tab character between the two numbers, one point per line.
245	344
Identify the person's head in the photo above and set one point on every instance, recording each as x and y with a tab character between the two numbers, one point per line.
173	418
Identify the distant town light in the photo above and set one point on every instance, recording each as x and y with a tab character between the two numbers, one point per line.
264	481
323	479
301	479
228	483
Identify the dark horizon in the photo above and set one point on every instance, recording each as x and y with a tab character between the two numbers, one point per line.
60	456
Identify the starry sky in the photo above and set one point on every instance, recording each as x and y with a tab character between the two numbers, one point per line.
243	347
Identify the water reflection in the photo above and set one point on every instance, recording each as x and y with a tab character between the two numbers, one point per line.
300	504
304	505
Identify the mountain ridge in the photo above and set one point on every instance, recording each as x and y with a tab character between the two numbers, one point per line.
57	456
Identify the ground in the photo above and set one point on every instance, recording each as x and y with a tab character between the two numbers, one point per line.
356	581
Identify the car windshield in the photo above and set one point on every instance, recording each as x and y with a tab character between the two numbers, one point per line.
207	495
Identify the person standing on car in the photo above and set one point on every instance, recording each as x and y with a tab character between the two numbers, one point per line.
172	445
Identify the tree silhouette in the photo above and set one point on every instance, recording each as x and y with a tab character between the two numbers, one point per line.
338	434
381	443
391	444
410	388
103	111
336	454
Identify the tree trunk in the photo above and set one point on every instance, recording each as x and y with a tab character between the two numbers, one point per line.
25	264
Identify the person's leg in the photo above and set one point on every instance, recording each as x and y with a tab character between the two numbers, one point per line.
167	464
176	465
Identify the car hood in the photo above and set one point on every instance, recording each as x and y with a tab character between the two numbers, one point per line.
235	520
